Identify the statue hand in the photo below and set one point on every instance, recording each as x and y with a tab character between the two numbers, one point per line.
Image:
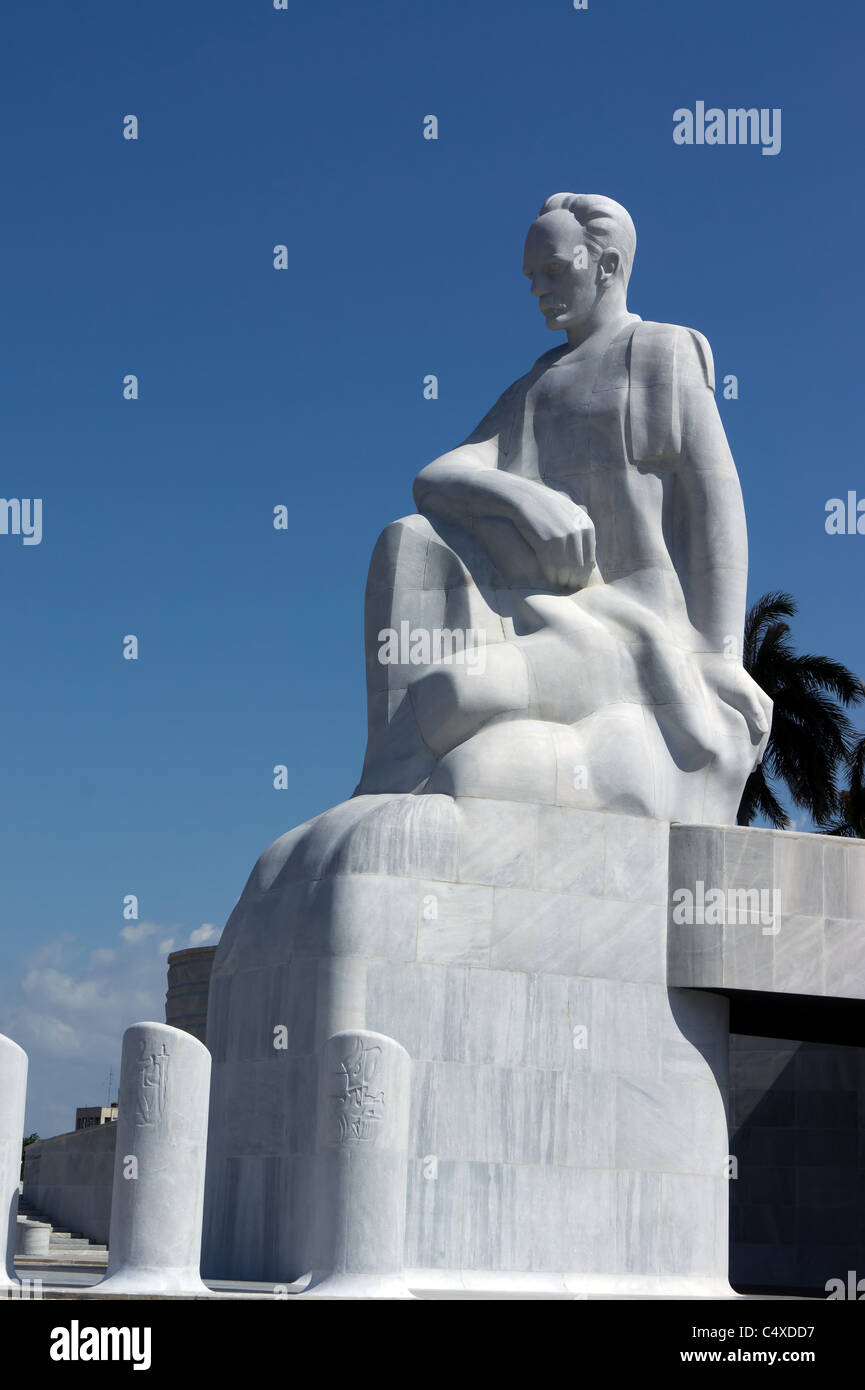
739	690
562	536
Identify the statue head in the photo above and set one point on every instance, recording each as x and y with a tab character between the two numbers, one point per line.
578	256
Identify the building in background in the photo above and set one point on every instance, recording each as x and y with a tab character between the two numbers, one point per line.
88	1116
188	986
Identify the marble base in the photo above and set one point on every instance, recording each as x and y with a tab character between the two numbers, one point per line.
456	1282
369	1286
142	1282
567	1109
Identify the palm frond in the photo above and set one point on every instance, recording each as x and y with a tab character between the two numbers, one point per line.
812	742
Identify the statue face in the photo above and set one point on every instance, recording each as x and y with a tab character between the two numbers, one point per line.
561	269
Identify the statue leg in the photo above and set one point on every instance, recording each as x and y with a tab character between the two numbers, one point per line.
420	594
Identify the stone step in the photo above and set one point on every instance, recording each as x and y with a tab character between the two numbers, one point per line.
66	1245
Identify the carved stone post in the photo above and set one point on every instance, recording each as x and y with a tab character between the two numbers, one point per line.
154	1243
361	1165
13	1091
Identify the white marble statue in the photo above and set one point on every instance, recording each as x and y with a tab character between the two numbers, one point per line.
591	529
554	675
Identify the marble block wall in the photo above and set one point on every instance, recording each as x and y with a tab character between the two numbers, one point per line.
797	1107
567	1109
811	941
68	1179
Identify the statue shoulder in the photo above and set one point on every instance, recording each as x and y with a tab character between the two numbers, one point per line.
667	351
670	371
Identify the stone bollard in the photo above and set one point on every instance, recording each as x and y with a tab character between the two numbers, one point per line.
361	1167
154	1242
13	1091
34	1238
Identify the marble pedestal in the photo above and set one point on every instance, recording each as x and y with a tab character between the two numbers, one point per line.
567	1114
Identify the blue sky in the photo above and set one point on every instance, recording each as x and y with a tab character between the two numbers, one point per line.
304	387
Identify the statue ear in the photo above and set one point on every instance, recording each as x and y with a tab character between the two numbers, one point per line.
609	262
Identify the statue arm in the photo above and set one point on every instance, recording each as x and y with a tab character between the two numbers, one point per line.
470	485
675	429
468	482
467	488
713	558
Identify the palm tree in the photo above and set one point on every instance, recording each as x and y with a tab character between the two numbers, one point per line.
811	735
851	815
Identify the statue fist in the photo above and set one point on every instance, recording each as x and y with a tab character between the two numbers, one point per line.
562	537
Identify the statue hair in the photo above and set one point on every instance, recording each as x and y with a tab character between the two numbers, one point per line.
604	222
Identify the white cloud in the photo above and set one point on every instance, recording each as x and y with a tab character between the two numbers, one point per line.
70	1004
205	934
50	952
138	931
69	1007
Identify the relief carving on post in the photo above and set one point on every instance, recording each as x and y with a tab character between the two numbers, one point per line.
358	1108
152	1084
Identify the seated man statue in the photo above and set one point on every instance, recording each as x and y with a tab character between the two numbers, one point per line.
554	672
586	545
